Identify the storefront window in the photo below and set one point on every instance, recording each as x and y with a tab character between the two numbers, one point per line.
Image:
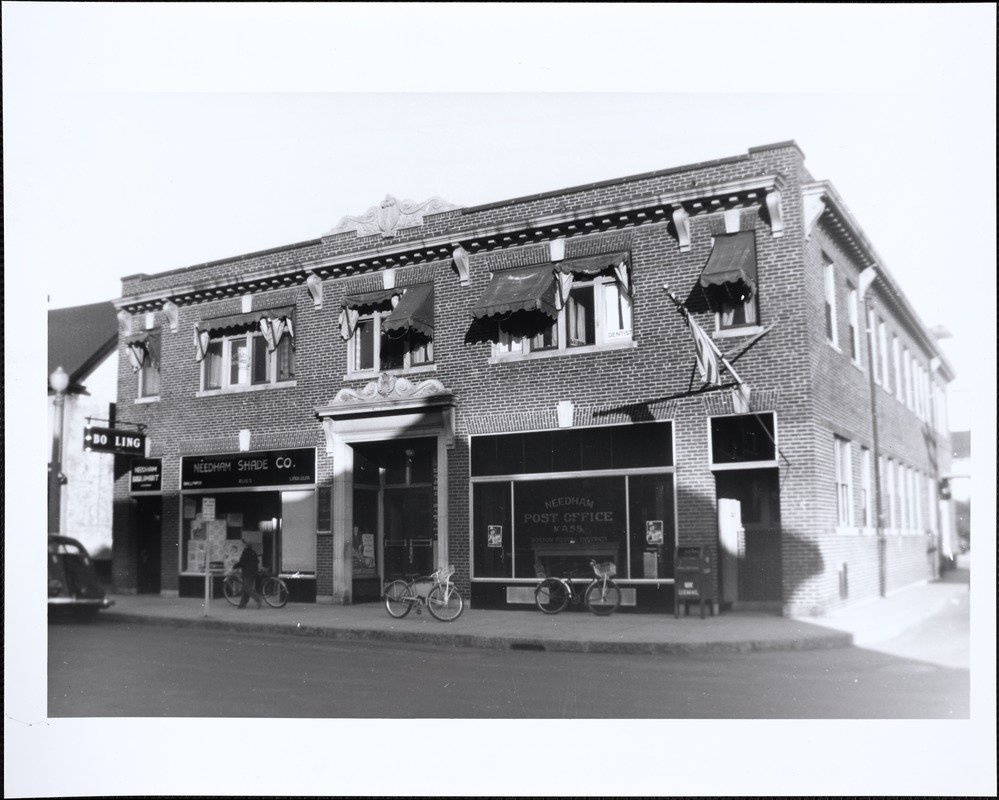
214	525
525	525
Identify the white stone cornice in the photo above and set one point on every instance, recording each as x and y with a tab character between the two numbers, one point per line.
814	206
315	284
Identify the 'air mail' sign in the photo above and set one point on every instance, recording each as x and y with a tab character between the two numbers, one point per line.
111	440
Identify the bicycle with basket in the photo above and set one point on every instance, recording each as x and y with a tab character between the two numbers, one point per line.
601	596
435	591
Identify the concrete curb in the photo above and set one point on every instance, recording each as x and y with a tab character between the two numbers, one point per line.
443	637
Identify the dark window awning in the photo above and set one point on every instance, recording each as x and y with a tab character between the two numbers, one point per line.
369	299
142	347
592	265
732	263
415	311
250	319
523	289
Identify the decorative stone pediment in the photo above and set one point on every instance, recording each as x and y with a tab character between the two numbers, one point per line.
391	215
391	397
389	389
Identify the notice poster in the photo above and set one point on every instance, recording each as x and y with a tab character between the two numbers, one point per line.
190	508
654	531
494	535
208	508
364	554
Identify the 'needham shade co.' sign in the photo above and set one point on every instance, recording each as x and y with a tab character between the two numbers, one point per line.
247	470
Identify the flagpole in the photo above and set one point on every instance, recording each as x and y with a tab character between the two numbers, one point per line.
684	313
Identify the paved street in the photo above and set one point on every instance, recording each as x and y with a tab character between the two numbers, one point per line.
112	670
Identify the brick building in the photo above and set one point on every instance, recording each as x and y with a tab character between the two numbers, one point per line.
509	388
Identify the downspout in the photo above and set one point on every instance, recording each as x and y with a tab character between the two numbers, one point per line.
866	279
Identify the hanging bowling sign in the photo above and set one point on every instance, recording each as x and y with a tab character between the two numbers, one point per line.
113	440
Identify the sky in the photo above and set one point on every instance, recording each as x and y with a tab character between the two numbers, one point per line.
149	137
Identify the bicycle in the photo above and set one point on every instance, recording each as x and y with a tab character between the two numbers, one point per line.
274	590
601	596
443	600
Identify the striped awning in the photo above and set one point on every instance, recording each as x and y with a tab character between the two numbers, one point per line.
522	289
732	262
250	319
414	312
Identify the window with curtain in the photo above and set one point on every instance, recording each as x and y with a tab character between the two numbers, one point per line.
245	359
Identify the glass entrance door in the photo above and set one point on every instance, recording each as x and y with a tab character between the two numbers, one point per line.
409	531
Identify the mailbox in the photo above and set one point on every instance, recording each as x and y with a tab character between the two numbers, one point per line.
692	574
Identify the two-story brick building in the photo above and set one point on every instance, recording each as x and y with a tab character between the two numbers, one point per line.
510	387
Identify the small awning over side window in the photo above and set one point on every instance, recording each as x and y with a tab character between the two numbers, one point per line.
143	348
523	289
732	262
415	311
248	320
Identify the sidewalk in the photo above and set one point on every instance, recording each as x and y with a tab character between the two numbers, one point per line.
529	629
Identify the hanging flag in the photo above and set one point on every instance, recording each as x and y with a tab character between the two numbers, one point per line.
707	355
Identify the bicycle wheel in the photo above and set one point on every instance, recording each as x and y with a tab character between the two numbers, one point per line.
602	599
232	588
445	604
551	596
399	597
275	592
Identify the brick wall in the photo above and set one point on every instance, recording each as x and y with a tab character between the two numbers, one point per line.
814	390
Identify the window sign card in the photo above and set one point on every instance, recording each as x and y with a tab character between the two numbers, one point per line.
208	508
494	535
190	508
654	531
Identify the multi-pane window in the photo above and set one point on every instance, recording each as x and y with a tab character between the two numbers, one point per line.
844	469
891	509
597	312
907	371
830	297
149	379
885	355
866	514
245	360
143	350
899	378
852	311
735	313
374	349
872	340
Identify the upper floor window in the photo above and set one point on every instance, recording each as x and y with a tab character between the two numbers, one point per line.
729	279
866	515
852	307
389	330
844	472
872	343
830	296
896	353
144	355
575	304
244	350
595	312
885	355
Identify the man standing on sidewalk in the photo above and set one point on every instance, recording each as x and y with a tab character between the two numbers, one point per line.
248	567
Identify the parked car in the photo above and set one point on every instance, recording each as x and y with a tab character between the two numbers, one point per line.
73	582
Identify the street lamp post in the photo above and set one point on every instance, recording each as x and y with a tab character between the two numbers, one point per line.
59	381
